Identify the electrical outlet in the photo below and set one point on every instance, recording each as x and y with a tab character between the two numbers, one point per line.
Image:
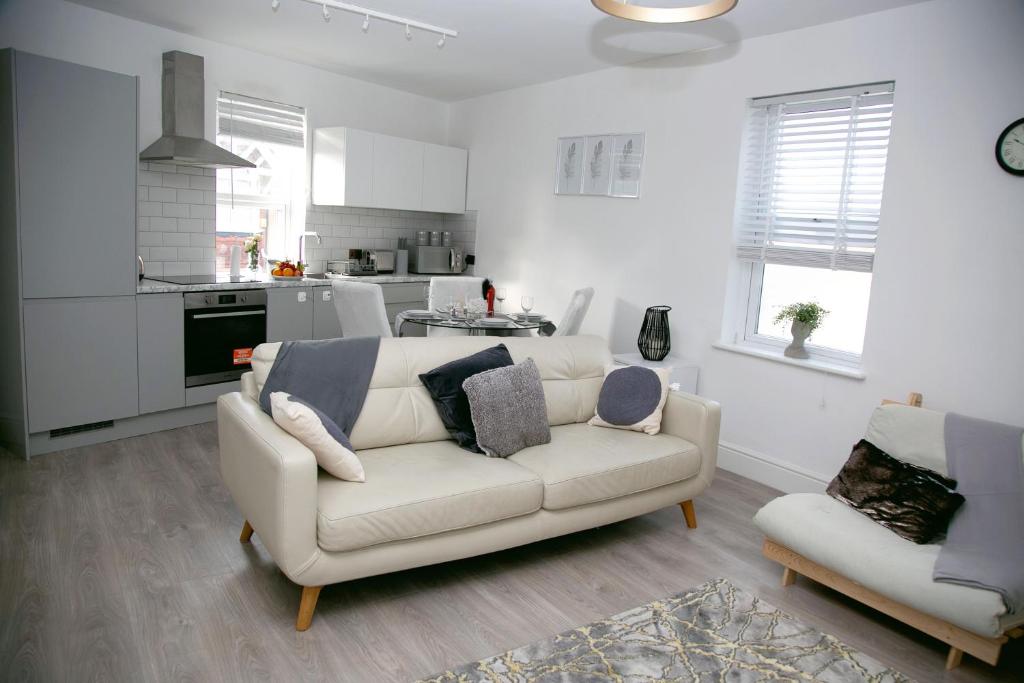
326	294
302	297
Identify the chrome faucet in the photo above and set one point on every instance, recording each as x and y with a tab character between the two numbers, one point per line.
302	241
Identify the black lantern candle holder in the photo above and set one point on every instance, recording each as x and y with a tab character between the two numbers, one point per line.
655	340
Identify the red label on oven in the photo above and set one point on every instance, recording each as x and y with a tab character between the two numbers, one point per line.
242	356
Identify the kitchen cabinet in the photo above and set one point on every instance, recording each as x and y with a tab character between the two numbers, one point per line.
344	159
289	313
397	173
81	361
358	168
76	160
161	343
444	179
405	296
326	324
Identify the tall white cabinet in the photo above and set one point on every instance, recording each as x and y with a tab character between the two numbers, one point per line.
358	168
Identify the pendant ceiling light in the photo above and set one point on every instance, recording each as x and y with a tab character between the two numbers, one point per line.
664	15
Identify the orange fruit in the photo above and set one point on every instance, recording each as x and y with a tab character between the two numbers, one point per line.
288	272
276	271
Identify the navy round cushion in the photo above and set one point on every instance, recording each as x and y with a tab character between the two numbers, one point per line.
628	395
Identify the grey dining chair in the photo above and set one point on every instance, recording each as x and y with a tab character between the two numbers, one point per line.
360	307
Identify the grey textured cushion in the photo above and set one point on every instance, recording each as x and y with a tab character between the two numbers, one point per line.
508	408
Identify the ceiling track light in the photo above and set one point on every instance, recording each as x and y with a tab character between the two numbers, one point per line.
367	13
275	5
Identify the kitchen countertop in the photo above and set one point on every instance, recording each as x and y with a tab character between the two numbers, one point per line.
148	286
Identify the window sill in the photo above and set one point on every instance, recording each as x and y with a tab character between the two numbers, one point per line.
810	364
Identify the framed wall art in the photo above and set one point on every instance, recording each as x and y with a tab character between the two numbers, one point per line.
608	165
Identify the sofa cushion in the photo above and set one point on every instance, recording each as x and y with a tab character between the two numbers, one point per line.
445	386
509	413
418	490
839	538
913	435
585	464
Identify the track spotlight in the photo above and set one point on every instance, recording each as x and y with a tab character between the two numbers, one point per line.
440	42
366	23
275	5
327	15
408	33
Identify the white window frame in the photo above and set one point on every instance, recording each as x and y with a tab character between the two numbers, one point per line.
741	323
752	275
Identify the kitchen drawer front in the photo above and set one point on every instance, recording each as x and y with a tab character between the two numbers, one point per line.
81	361
404	293
161	352
289	313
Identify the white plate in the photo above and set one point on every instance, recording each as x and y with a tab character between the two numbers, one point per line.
533	317
491	322
420	314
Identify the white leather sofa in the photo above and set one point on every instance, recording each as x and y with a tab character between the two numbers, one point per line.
425	500
822	538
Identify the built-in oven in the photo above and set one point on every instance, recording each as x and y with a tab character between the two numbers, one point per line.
221	330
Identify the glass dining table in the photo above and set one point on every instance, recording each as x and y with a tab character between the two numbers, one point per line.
497	323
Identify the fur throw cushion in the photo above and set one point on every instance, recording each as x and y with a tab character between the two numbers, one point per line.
912	501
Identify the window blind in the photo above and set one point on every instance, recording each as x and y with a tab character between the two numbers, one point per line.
240	116
813	168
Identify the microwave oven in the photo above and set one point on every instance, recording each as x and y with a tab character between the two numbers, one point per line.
436	260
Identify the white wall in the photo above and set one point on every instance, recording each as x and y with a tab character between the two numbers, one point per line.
947	315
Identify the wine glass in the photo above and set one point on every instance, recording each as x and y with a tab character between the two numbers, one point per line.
449	306
501	293
527	303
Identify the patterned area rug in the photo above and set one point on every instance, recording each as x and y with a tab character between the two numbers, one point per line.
715	632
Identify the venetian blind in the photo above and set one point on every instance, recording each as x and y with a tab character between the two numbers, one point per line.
812	173
240	116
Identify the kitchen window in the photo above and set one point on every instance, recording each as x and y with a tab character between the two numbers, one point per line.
807	216
271	198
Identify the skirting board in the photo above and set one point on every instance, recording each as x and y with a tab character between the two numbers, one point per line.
767	470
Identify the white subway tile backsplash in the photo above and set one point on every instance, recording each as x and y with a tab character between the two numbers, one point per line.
150	239
190	225
162	194
150	209
177	268
163	224
176	239
164	254
190	196
175	180
200	239
202	211
202	182
176	210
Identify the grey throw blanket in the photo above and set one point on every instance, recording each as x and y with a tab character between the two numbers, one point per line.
985	543
333	375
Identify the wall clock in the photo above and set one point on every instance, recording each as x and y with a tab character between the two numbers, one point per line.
1010	148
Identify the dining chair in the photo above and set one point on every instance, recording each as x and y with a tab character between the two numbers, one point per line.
460	288
360	307
572	320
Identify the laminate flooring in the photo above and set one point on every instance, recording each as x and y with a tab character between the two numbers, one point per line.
121	562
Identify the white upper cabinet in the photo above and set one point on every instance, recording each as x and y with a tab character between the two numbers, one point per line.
358	168
444	179
397	173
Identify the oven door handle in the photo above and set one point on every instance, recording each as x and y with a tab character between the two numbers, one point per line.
231	314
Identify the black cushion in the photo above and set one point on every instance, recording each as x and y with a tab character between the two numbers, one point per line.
445	386
912	501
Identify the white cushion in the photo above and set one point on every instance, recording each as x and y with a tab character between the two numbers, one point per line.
399	410
318	433
914	435
421	489
838	537
619	397
585	464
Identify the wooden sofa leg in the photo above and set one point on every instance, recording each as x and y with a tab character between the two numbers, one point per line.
246	532
307	603
689	514
954	658
788	576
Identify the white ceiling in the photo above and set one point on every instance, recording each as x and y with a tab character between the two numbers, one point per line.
502	44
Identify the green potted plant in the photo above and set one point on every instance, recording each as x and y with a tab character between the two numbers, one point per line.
806	317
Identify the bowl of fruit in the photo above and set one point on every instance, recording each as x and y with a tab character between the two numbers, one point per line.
286	270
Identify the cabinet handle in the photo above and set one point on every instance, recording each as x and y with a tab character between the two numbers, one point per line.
232	314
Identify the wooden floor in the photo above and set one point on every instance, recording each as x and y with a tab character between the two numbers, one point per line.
122	562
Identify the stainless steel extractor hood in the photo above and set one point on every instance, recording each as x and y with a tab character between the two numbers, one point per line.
183	110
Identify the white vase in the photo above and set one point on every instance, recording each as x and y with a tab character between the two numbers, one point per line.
800	331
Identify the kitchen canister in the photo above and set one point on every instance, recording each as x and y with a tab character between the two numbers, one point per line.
446	239
435	238
402	262
236	259
422	238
